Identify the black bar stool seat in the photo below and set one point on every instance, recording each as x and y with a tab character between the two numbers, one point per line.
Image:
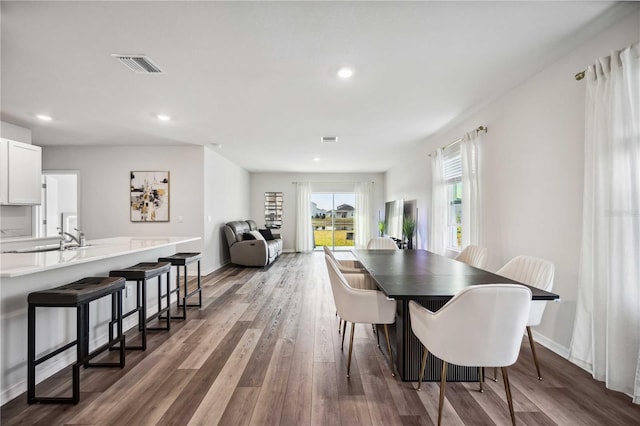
182	260
140	273
78	294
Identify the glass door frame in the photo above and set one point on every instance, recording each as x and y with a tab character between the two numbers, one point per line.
333	194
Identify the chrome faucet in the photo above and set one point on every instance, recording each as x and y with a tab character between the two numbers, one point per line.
63	238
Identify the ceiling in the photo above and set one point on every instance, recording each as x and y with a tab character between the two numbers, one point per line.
259	78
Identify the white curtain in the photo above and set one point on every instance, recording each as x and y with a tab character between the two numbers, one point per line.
438	224
363	214
469	153
304	232
606	335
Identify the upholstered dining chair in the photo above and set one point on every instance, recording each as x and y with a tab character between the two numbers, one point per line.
536	273
356	276
474	256
345	266
360	306
381	243
480	326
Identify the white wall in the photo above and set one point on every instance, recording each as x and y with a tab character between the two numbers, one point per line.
226	198
532	172
320	182
15	133
202	184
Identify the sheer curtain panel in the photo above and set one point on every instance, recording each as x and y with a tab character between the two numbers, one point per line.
363	214
606	335
304	231
471	208
438	224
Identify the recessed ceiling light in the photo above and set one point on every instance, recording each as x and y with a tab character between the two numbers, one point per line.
345	73
316	159
163	117
44	117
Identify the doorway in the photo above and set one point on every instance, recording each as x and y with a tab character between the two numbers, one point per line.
332	219
59	208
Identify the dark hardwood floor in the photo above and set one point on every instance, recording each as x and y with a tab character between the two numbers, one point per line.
265	350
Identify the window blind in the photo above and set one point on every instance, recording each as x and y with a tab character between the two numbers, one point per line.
452	164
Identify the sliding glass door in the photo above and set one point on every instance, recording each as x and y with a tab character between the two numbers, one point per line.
332	219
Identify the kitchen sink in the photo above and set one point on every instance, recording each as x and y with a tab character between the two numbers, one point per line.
44	249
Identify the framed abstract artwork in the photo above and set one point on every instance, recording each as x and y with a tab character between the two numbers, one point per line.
149	196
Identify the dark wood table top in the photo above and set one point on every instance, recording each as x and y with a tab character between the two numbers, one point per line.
406	274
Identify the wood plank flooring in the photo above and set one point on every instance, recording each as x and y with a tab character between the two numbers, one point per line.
265	350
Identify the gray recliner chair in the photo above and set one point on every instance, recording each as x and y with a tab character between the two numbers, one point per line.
249	252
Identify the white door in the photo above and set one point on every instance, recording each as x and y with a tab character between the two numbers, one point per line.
51	210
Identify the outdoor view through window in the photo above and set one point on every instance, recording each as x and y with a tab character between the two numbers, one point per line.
332	218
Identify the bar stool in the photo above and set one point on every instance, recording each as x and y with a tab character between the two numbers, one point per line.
141	273
184	259
77	295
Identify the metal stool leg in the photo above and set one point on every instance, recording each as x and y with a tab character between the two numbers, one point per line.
163	310
31	355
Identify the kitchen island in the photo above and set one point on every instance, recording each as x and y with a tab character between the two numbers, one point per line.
23	273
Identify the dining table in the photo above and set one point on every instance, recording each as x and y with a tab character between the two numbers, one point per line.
430	280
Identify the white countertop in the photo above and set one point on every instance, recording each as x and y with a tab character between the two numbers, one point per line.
18	264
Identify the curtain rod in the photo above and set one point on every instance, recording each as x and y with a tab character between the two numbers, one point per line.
477	130
615	55
294	183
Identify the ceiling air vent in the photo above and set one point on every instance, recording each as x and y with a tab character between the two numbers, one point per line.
328	139
139	64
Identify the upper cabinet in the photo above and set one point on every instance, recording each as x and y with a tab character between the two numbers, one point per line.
20	173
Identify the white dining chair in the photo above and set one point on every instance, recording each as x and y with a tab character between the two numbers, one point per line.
360	306
474	256
381	243
480	326
346	266
356	276
537	273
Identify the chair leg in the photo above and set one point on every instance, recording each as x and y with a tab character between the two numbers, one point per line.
353	329
423	365
480	374
386	335
443	382
495	374
344	329
507	390
339	324
533	350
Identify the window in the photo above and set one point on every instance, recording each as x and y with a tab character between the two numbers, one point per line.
453	181
332	218
273	210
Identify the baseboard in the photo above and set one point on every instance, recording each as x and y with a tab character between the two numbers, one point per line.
213	269
550	344
288	251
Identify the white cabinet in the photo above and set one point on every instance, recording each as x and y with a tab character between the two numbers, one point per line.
20	173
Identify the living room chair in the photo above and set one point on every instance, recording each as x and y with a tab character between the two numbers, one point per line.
360	306
536	273
381	243
474	256
480	326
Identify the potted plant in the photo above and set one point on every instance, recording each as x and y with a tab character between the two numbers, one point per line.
381	227
409	229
